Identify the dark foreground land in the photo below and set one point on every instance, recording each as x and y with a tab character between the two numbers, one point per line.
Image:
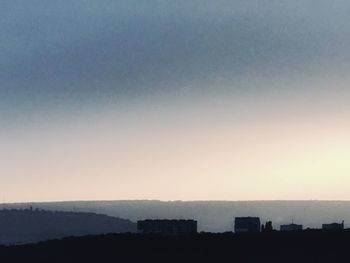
308	246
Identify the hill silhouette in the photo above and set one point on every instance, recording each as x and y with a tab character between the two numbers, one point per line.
311	246
28	225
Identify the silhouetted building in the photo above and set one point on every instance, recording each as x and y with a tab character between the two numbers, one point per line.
247	224
167	227
291	227
333	226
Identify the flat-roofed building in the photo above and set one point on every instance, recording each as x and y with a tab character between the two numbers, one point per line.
167	227
247	225
291	227
333	226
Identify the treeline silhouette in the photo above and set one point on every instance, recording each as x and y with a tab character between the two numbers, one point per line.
28	225
309	246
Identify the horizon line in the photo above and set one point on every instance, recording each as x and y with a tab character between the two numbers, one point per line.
170	201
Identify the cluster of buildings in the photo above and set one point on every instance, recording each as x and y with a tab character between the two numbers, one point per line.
241	225
253	225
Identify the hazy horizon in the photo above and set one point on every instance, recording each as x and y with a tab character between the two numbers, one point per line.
28	202
212	216
174	100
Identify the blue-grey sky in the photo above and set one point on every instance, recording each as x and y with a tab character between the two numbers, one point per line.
102	77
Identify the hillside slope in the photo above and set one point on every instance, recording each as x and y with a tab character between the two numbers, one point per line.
24	226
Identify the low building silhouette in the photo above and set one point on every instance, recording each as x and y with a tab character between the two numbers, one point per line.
247	225
291	227
333	226
167	227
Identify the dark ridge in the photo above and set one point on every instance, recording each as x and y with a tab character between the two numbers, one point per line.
28	225
305	246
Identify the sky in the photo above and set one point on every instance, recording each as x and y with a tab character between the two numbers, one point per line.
174	100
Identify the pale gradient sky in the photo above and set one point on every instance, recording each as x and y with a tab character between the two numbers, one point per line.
189	100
